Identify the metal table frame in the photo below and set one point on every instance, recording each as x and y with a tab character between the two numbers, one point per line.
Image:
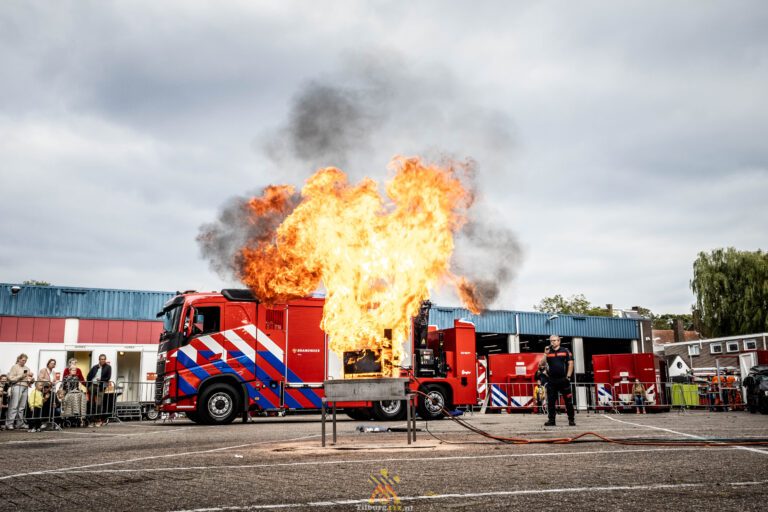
368	390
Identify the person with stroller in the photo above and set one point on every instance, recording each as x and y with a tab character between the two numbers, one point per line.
74	402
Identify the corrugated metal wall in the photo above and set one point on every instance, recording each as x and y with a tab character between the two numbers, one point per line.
538	323
69	302
490	321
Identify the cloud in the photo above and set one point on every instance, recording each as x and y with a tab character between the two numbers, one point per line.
615	141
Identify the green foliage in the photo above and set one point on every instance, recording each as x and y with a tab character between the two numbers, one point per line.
665	321
731	289
574	305
35	282
579	305
598	311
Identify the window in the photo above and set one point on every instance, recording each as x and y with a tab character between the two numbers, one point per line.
715	348
171	319
750	344
732	346
693	350
275	318
207	319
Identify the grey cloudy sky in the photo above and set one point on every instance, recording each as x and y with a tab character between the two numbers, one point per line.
616	140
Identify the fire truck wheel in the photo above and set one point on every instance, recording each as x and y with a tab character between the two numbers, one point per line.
359	413
219	405
431	407
389	410
193	416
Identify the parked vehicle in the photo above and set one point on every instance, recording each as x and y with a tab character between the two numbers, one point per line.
223	355
756	385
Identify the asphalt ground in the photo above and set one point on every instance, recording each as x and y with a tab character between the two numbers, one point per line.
278	464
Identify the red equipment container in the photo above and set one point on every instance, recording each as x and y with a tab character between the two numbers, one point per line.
615	375
512	379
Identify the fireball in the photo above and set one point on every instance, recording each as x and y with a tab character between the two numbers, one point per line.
377	256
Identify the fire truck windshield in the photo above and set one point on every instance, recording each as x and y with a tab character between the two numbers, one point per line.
171	318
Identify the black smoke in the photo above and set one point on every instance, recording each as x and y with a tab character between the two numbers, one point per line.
488	253
236	227
376	106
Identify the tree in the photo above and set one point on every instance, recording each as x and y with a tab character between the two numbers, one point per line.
665	321
575	305
731	289
35	282
598	311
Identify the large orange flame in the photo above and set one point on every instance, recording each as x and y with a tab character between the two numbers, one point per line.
376	257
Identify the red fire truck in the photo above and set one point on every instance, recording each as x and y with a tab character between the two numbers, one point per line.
223	355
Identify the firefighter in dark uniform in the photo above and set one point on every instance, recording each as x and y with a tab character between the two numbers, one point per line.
560	362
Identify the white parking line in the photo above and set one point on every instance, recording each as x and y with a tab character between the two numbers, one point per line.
90	436
38	441
520	492
117	434
230	467
747	448
150	457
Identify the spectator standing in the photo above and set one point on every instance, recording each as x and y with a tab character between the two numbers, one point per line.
35	401
729	382
638	392
713	391
46	374
4	386
720	392
542	378
20	379
57	402
98	378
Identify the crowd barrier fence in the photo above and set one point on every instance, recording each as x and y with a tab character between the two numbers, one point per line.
45	405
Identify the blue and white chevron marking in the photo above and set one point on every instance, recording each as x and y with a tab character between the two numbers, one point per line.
498	397
604	394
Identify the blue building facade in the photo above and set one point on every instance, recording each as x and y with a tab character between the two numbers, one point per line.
86	303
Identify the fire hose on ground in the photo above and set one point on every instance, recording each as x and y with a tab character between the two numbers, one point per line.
588	437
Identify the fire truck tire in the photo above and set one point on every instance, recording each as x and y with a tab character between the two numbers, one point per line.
431	407
193	416
219	405
390	410
359	413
